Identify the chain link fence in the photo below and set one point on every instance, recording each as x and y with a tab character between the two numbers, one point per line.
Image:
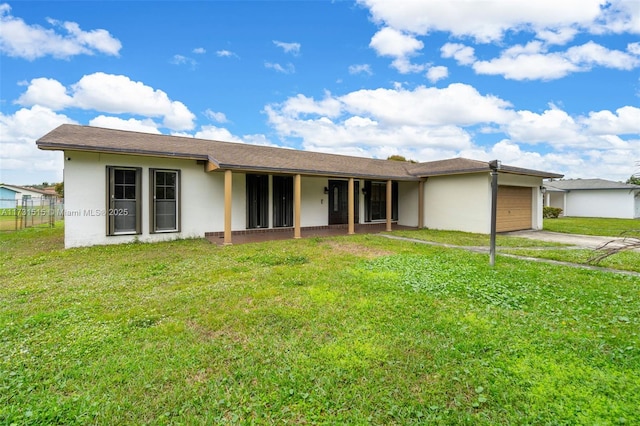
30	212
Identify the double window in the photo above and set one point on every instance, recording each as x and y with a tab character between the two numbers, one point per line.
124	200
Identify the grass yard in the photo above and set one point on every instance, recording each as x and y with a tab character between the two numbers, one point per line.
592	226
344	330
12	219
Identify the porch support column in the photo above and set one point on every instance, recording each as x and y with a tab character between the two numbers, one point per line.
421	205
228	176
351	205
297	190
389	205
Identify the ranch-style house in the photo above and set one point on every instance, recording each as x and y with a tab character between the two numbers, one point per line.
122	186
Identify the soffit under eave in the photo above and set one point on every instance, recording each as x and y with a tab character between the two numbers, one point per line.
469	172
120	151
316	173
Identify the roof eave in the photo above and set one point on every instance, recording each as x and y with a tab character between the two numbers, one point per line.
535	173
313	172
123	151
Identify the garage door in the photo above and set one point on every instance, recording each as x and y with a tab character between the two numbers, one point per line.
514	208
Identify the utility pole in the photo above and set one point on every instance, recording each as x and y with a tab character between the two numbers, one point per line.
494	166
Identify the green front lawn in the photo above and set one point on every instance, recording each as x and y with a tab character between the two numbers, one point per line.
592	226
344	330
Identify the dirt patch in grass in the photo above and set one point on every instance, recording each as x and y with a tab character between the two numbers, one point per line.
359	250
204	333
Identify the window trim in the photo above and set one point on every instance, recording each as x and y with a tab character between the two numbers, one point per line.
152	201
110	213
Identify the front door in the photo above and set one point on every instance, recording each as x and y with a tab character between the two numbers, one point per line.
339	202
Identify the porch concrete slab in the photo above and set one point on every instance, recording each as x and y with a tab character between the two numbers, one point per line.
260	235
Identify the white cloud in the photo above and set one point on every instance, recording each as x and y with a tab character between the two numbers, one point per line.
199	50
225	53
527	66
19	39
300	105
594	54
532	61
217	134
181	60
552	126
400	46
489	20
625	121
293	48
559	36
457	104
115	94
464	55
427	124
132	124
219	117
360	69
46	92
385	121
547	22
18	154
435	74
391	42
286	69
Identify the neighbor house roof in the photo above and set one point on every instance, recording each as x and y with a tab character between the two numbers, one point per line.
16	188
9	188
246	157
586	184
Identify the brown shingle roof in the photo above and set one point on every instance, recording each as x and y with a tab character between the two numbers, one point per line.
225	155
245	157
465	165
586	184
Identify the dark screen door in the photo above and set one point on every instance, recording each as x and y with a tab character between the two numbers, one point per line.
339	202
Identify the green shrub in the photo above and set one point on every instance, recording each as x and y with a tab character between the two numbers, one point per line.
551	212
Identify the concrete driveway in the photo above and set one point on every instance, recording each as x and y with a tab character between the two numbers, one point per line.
581	241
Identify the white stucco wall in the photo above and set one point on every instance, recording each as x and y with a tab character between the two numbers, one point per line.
202	199
555	199
463	202
458	202
85	198
408	203
602	203
314	210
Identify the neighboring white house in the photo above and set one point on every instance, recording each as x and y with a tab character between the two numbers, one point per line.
122	185
594	198
10	194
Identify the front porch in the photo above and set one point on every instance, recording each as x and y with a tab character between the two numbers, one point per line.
271	234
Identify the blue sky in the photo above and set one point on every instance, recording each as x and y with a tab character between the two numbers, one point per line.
549	85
